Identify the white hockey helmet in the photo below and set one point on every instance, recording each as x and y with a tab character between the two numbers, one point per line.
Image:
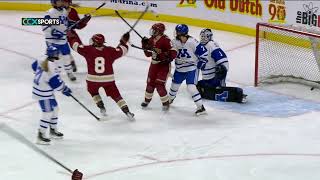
205	36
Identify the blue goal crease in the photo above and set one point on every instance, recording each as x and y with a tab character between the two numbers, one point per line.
268	104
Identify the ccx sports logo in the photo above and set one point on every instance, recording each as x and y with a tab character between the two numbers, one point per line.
40	21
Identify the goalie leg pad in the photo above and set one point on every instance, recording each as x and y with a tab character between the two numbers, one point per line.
226	94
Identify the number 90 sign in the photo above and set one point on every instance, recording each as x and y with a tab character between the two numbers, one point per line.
277	11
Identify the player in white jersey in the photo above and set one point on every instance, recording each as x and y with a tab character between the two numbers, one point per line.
190	51
46	81
214	71
56	36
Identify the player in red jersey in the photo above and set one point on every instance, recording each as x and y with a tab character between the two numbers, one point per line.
73	17
100	71
162	53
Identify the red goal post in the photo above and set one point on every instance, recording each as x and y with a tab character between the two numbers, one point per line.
287	54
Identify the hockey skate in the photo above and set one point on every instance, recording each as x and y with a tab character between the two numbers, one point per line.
144	104
244	98
55	134
200	111
103	111
71	77
166	106
42	140
130	116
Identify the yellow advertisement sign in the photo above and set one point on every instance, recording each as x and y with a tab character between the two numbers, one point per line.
245	7
277	11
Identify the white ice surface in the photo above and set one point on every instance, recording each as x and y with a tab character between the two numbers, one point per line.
229	143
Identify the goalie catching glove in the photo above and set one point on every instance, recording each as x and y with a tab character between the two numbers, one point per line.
221	72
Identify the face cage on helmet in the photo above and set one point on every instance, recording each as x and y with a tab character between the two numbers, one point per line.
92	43
205	38
152	32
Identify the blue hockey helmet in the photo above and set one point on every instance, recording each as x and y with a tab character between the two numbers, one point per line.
52	53
54	1
205	36
182	29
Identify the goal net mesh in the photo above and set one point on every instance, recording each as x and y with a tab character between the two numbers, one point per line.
287	54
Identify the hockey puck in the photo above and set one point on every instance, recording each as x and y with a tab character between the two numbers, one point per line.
312	89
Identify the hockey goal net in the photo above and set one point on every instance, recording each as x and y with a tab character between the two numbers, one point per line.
287	54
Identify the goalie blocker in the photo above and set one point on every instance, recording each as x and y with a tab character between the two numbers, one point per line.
225	94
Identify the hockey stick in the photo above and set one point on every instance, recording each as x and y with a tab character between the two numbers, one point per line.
79	21
137	47
115	14
133	26
139	18
97	118
13	133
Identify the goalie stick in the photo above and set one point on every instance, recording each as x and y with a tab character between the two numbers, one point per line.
133	26
13	133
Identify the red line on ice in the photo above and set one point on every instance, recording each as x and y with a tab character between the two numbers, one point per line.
199	158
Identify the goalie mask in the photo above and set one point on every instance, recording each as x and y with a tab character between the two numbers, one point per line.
205	36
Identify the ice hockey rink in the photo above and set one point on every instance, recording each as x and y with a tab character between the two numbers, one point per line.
273	136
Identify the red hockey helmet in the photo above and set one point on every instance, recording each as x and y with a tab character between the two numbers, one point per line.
98	39
157	29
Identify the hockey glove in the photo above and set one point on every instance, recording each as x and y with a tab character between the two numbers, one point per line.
71	23
145	43
201	64
86	18
125	38
221	72
76	175
66	91
57	34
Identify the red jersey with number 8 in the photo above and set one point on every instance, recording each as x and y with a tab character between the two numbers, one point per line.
99	59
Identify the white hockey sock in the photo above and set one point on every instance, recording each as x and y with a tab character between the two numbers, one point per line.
45	122
54	123
54	119
195	95
173	90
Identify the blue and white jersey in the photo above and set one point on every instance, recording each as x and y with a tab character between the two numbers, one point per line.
56	34
188	54
216	57
45	83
